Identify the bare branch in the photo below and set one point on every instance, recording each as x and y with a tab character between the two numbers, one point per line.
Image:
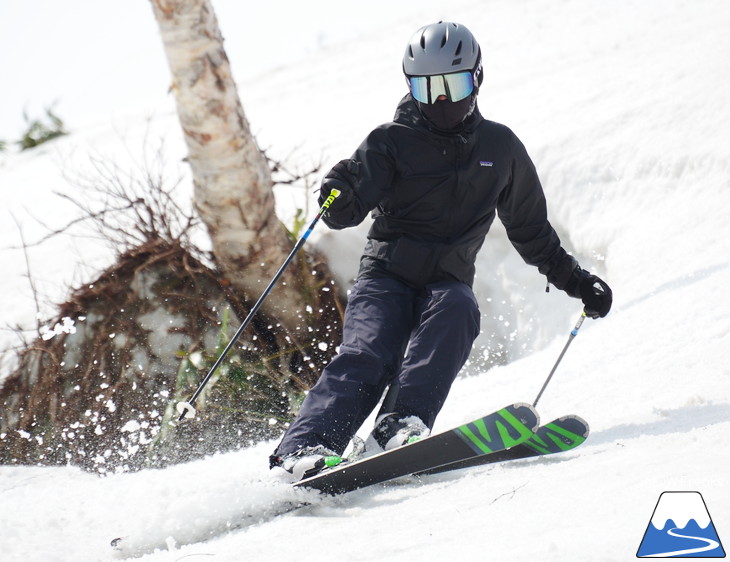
33	288
126	208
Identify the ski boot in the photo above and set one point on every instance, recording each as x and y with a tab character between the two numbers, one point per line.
306	462
392	430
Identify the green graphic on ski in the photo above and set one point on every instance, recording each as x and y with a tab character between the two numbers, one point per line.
500	430
561	434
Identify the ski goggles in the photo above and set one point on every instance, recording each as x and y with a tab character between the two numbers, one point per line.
455	87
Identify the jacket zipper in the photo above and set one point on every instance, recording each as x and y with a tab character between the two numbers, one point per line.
457	145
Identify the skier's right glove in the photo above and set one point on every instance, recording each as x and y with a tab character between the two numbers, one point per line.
343	176
595	293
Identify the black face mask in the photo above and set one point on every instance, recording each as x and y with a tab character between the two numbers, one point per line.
447	115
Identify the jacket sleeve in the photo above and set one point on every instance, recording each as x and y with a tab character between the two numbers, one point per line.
523	211
376	155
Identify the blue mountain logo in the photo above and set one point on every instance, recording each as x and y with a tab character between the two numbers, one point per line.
681	527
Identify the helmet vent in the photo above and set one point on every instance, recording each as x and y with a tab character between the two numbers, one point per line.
440	48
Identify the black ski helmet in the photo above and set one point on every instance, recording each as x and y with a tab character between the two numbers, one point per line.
443	48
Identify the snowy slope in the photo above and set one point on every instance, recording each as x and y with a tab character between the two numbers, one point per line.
623	106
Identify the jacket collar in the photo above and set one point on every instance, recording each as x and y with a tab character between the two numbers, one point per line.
407	113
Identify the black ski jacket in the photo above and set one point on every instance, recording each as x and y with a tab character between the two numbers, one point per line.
434	196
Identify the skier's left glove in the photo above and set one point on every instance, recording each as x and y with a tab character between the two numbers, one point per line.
343	177
595	293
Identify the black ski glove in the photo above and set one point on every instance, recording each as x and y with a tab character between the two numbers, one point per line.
343	176
595	293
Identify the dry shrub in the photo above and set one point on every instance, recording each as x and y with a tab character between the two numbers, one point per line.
98	390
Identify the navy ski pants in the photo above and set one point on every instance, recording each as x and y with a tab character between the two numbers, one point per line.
421	338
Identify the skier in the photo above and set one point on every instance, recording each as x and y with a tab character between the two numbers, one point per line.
434	179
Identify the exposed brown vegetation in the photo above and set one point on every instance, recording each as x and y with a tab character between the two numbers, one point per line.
98	389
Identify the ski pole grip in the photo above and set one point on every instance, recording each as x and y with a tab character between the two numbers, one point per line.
334	194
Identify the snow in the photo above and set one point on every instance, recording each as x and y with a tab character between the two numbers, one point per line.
623	107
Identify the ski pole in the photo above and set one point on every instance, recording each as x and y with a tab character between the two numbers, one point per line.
187	409
390	398
573	333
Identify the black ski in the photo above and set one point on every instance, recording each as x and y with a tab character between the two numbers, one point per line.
500	430
561	434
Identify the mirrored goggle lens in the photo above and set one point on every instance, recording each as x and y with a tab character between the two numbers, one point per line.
455	87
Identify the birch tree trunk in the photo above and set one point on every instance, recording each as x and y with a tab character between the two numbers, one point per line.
233	185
